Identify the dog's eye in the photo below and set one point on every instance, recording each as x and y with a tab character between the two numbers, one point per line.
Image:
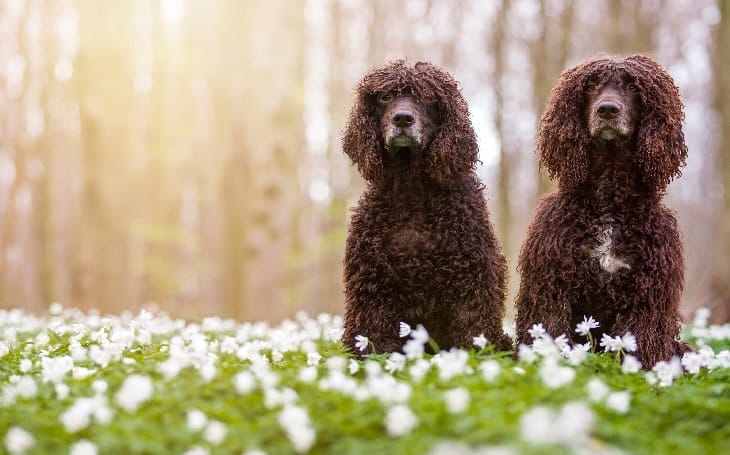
590	87
633	88
385	98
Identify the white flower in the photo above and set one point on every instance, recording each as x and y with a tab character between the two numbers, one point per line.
420	334
413	349
294	420
611	344
18	441
395	362
629	342
26	387
583	328
336	363
562	343
62	391
196	420
361	342
537	331
692	362
419	369
99	386
597	390
457	400
353	367
630	364
54	369
25	365
490	370
526	354
619	401
80	373
667	371
55	309
570	426
313	359
307	374
480	341
702	315
400	420
554	375
78	416
452	363
215	432
578	354
244	382
405	330
651	378
83	447
135	390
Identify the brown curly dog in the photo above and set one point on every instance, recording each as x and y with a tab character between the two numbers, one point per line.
421	248
603	245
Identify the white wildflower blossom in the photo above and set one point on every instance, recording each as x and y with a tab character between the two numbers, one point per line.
196	420
18	441
395	362
353	367
628	341
570	426
457	400
215	432
83	447
26	387
197	450
420	334
361	342
135	390
419	369
554	375
583	328
578	354
526	354
452	363
404	330
490	369
313	358
619	401
53	369
413	349
244	382
336	363
25	365
62	390
307	374
400	420
597	390
295	422
562	343
630	364
692	362
537	331
667	371
480	341
611	344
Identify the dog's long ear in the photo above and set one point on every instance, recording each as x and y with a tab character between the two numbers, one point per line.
360	138
454	152
562	138
661	150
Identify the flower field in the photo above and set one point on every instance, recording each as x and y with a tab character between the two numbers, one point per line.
85	383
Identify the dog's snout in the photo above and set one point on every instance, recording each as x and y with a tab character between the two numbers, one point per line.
608	109
404	118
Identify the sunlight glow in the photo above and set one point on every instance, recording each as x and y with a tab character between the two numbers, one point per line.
172	12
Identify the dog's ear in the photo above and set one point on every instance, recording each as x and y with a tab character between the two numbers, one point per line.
454	152
361	140
562	138
661	149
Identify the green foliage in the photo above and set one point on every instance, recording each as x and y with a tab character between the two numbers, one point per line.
690	416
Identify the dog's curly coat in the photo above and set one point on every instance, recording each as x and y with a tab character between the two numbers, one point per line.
603	245
421	248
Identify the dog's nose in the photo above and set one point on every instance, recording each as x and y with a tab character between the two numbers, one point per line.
608	109
404	118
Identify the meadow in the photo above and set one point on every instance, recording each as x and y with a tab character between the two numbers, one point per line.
85	383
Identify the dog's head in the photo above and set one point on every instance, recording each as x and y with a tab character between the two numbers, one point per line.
629	104
410	116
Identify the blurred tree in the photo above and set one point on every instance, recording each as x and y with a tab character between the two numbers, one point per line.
720	297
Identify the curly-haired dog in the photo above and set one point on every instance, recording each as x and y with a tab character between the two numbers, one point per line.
603	245
421	248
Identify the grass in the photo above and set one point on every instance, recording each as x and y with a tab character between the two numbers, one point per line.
346	412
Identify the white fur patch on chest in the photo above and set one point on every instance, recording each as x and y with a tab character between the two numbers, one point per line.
604	252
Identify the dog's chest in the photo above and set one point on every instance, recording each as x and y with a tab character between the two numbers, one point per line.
603	250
